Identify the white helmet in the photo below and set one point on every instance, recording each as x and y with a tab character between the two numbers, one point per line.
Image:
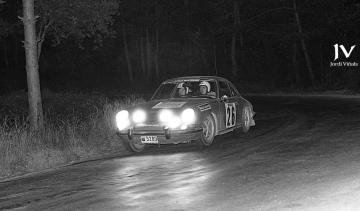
184	87
180	85
205	83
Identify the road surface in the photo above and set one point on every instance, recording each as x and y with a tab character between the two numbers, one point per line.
303	154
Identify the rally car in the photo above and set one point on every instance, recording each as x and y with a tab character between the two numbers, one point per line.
185	109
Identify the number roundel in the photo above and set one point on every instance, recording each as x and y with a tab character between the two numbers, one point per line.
230	110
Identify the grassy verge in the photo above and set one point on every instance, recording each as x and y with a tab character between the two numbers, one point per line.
77	126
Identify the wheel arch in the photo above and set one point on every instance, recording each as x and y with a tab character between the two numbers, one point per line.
216	122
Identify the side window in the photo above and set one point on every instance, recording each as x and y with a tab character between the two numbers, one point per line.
212	86
212	91
233	90
224	89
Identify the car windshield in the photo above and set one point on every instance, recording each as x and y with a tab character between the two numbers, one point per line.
186	89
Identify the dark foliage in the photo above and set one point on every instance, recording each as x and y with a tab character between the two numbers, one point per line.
175	38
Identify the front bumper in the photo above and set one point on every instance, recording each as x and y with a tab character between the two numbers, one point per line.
164	136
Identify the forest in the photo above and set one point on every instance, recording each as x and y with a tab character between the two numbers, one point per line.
110	45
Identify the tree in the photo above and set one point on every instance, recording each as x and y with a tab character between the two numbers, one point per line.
303	44
5	30
78	19
126	48
32	68
234	38
157	32
59	19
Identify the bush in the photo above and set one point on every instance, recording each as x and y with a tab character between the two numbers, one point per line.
77	126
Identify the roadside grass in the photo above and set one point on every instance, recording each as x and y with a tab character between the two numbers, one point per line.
77	126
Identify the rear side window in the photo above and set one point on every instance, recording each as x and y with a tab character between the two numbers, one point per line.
234	92
224	89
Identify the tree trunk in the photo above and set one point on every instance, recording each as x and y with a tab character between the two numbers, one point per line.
126	51
234	63
6	57
351	76
188	47
271	63
44	25
241	38
296	74
156	57
156	54
32	68
16	55
142	56
233	39
215	60
242	53
39	47
148	55
322	68
204	58
303	44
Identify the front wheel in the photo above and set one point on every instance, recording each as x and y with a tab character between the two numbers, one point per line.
133	145
208	133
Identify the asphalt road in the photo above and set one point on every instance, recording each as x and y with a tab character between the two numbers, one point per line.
303	154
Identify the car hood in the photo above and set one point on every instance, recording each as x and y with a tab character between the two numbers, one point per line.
173	104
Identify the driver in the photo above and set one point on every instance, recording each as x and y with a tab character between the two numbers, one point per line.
205	89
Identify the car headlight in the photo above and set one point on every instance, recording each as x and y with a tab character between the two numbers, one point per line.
174	122
139	116
165	115
188	116
122	119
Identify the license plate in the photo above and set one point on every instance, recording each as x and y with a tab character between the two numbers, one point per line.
149	139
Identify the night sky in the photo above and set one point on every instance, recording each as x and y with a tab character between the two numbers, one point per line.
255	44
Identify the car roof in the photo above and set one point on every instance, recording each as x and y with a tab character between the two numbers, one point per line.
196	78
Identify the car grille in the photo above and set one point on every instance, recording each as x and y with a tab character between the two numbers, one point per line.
151	123
152	118
148	127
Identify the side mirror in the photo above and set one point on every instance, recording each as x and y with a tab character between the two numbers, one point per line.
224	98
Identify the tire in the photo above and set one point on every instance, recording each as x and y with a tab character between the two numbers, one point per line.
246	119
133	145
208	134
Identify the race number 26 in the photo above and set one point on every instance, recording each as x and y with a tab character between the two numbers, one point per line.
230	110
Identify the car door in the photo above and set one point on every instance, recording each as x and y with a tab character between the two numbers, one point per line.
239	103
229	107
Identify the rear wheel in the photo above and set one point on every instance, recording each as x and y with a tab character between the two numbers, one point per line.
208	134
133	145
